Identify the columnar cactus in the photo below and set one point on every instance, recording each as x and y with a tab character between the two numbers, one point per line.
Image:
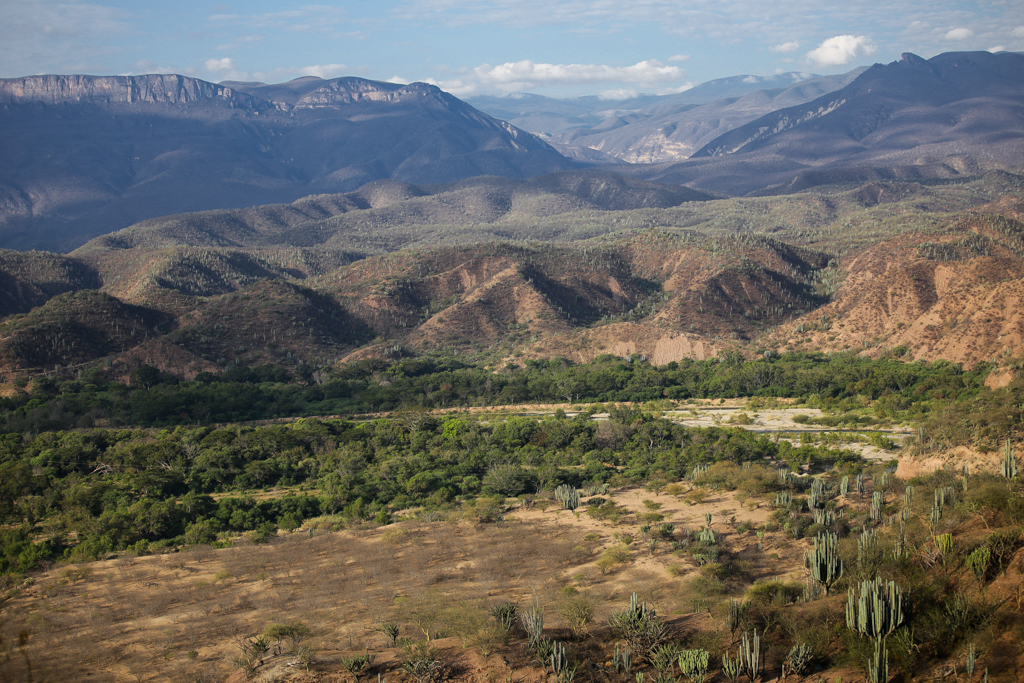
824	562
859	483
874	608
749	656
867	545
694	664
844	485
568	496
876	506
878	665
1009	466
784	499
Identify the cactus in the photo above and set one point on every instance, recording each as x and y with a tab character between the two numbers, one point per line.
622	661
639	626
814	500
878	665
824	517
731	667
908	495
824	562
506	614
749	656
707	519
977	562
694	664
355	665
874	608
859	483
945	543
876	506
799	658
533	624
844	485
706	536
698	470
739	612
1009	466
558	660
867	545
568	496
935	515
784	499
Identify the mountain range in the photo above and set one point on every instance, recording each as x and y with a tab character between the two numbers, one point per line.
85	155
211	225
89	155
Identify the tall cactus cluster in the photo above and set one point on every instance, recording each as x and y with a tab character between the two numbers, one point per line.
874	608
824	561
784	499
844	485
1009	466
867	547
694	664
876	506
748	661
824	517
698	469
568	496
859	483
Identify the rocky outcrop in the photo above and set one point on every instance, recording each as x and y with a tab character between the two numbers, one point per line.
108	90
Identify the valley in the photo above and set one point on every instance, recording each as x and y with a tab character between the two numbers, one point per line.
335	378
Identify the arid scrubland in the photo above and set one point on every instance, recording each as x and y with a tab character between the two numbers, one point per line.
714	559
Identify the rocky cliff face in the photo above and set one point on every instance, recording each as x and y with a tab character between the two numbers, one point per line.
108	90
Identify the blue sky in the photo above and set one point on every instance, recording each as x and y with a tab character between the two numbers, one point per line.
557	48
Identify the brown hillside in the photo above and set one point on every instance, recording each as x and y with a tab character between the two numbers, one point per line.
956	295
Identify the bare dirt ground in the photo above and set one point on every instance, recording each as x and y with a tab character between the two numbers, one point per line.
179	616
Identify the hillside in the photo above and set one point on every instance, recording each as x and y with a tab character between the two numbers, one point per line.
954	294
85	155
575	264
388	215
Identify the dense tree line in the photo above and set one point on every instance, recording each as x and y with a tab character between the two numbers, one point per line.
112	489
152	398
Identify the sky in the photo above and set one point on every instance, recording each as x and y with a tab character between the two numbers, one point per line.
559	48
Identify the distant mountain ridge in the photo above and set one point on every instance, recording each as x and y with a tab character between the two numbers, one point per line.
652	129
85	155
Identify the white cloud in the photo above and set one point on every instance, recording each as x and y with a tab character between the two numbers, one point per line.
324	70
840	50
997	48
958	34
524	75
678	58
785	48
617	94
1018	32
398	80
751	79
220	65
